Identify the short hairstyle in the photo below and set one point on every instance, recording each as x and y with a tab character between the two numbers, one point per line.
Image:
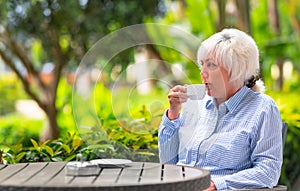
236	52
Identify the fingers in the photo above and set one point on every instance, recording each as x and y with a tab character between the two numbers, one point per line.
178	88
212	187
177	95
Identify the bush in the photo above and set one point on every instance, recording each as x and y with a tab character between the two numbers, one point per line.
16	127
63	149
71	147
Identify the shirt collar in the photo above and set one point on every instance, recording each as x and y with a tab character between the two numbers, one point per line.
232	103
209	103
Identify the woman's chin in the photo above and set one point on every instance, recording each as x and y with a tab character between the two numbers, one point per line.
209	93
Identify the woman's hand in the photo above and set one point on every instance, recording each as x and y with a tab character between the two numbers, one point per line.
212	187
177	96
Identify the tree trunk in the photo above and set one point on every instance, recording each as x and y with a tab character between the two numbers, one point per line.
273	15
280	81
222	17
275	26
51	129
243	7
45	97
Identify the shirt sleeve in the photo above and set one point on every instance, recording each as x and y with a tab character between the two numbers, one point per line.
168	140
266	156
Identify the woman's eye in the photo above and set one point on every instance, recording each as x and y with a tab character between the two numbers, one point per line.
211	65
208	65
201	66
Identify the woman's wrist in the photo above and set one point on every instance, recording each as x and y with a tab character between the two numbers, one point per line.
171	114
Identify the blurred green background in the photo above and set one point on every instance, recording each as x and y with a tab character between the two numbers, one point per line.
42	43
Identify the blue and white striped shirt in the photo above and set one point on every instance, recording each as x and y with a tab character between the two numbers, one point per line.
239	142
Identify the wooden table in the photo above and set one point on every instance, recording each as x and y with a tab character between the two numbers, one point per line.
138	176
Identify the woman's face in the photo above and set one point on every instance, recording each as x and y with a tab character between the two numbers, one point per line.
216	80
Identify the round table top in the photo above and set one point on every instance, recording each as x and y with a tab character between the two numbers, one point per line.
144	176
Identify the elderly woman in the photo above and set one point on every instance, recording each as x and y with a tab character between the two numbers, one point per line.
235	130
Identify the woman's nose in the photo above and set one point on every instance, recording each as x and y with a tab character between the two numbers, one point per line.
203	73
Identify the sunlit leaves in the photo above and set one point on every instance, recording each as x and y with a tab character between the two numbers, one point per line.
37	52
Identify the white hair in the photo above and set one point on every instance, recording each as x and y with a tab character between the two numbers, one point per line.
236	52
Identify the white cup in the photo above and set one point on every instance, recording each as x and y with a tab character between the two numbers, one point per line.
195	91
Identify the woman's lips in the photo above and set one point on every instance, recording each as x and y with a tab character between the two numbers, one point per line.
206	85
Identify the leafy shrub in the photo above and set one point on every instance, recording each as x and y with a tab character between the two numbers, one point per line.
71	147
15	128
132	126
63	149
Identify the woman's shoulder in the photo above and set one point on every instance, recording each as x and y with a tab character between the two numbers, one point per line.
261	99
256	104
262	96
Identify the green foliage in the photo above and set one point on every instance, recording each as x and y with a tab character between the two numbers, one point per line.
197	11
125	123
10	91
140	133
61	32
132	137
14	128
37	52
290	114
63	149
66	148
77	25
120	143
63	101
